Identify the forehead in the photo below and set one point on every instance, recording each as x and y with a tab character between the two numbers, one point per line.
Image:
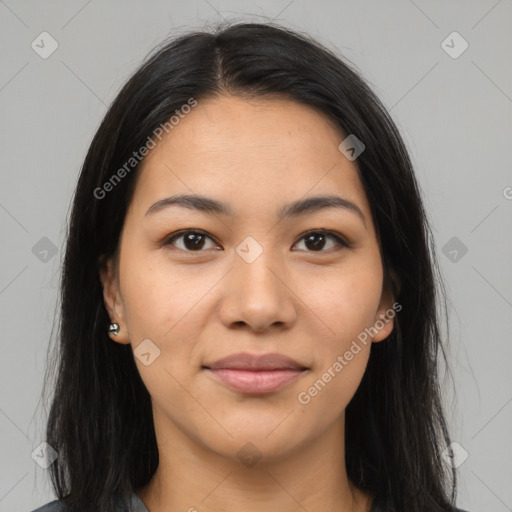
264	151
264	125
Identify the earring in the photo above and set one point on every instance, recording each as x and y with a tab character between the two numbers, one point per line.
113	329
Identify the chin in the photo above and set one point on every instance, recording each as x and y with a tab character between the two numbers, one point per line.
252	447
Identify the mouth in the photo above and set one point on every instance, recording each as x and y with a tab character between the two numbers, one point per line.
255	373
255	382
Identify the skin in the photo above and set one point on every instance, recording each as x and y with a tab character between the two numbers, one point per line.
198	305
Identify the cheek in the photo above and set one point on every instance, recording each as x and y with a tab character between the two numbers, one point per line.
326	395
163	305
157	297
347	304
346	301
342	353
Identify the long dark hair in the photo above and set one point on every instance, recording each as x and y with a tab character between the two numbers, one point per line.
100	421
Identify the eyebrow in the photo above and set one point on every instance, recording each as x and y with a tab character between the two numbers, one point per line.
294	209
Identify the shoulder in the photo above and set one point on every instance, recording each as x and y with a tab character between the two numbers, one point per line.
52	506
136	505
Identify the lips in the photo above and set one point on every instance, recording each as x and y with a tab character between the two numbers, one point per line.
250	362
252	374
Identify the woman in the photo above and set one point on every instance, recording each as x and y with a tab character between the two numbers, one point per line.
248	294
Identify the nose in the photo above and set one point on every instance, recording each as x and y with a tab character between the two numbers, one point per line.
259	294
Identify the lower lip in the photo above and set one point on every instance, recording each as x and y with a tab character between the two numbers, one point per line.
255	382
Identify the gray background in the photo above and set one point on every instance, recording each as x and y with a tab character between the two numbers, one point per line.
454	114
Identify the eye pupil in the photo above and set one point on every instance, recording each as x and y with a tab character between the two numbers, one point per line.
315	236
189	238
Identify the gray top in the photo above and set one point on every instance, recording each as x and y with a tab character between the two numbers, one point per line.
136	505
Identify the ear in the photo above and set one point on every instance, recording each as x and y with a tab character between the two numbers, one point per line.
388	308
113	301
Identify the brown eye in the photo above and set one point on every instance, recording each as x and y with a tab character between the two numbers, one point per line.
315	241
193	240
196	241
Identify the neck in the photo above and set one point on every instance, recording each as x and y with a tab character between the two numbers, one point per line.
313	478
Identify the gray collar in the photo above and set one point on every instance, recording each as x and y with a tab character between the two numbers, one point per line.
137	505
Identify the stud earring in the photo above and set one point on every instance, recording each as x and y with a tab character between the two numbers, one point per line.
113	329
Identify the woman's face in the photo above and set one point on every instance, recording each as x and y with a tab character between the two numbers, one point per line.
252	281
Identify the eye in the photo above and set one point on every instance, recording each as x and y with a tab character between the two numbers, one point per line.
193	240
315	240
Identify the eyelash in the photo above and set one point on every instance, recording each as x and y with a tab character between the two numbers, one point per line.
179	234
